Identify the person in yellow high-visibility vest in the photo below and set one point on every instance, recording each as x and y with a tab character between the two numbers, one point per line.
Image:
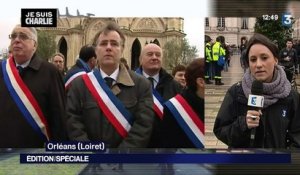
208	60
217	51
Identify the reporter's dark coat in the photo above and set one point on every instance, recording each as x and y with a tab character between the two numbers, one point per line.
279	125
45	83
86	121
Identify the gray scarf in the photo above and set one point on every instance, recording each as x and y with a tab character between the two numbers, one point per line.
279	88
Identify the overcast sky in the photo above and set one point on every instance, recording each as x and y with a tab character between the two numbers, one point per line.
190	10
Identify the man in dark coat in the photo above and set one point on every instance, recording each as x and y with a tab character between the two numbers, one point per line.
32	100
162	82
84	64
288	58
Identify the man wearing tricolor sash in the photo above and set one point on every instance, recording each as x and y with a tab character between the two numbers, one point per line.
163	84
183	121
110	104
84	64
32	100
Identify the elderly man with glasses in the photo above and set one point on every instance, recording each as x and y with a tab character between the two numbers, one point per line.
32	95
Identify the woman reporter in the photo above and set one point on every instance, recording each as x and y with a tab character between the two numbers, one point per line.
277	124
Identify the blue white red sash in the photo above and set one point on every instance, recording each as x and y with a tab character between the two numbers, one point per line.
157	99
72	76
158	104
188	120
24	99
76	73
111	106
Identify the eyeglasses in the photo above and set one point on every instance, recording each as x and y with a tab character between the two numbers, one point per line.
21	36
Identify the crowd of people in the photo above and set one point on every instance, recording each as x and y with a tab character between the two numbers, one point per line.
99	98
217	59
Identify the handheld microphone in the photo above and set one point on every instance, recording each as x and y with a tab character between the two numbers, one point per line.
255	102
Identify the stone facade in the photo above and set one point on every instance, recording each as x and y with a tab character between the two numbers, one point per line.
296	27
72	32
233	29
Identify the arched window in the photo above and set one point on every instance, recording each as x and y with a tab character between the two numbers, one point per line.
244	23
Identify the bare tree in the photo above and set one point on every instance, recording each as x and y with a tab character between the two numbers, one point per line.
46	44
178	52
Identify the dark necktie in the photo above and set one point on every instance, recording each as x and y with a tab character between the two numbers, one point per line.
151	79
20	69
109	81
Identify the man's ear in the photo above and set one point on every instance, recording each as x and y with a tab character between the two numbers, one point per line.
35	44
276	61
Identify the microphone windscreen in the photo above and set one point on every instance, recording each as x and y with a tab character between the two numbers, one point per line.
257	88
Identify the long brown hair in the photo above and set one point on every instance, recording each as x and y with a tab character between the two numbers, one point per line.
193	71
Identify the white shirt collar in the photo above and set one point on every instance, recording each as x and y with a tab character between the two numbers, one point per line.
24	64
155	77
114	75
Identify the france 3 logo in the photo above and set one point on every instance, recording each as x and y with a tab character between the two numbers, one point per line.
287	20
38	17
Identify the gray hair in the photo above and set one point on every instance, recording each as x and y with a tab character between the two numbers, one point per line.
32	31
57	54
